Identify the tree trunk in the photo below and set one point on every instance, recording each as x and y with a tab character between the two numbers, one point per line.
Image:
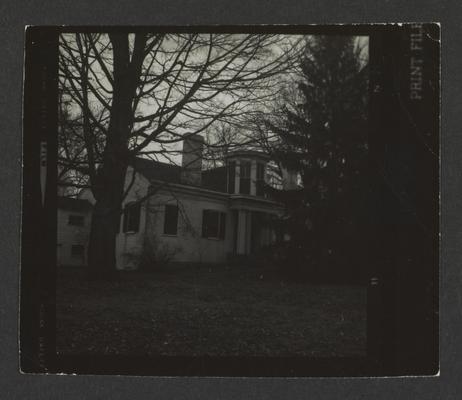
108	189
105	221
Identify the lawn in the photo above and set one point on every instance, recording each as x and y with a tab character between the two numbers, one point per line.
219	311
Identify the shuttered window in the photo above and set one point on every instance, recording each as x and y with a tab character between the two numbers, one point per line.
132	217
77	250
76	220
171	219
213	224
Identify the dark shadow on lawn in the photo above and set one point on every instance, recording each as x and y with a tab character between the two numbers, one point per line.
208	311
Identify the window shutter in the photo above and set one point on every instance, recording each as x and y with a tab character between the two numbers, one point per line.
135	217
77	250
171	219
76	220
213	224
222	225
205	214
132	213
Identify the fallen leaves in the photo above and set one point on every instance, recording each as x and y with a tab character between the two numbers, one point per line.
221	312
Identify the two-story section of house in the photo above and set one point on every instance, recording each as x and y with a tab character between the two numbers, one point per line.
186	214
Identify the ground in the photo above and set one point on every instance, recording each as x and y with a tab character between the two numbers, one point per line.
198	311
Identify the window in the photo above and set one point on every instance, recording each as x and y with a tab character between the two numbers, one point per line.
171	219
213	224
244	178
77	250
260	179
76	220
132	217
231	176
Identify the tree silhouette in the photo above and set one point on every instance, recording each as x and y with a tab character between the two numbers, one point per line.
139	94
321	130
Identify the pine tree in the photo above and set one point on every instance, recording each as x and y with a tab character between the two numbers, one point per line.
322	136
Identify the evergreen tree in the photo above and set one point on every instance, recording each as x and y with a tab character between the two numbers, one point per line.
322	137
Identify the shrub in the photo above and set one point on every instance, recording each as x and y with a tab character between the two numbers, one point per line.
156	255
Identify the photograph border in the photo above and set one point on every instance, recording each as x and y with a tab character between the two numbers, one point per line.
390	334
20	14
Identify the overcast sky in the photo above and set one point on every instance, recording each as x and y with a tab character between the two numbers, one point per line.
171	44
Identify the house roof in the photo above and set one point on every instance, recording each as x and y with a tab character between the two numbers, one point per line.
71	204
212	179
151	169
243	153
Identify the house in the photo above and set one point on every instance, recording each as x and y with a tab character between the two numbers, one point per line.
74	218
186	214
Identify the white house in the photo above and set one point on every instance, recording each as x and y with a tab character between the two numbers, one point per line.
74	218
186	214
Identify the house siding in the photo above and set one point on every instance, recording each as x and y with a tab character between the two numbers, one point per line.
69	235
188	244
129	245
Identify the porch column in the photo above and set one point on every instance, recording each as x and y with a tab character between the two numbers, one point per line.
242	232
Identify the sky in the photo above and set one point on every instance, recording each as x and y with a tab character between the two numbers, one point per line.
361	41
160	64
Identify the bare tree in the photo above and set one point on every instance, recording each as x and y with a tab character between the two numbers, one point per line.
138	94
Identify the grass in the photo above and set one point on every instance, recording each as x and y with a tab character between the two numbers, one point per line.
219	311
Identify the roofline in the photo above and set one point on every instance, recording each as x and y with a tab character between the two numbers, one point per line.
247	153
191	189
196	190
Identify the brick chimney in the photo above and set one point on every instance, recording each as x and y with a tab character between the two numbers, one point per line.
192	160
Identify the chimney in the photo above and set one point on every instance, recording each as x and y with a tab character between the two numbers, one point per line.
192	160
289	179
